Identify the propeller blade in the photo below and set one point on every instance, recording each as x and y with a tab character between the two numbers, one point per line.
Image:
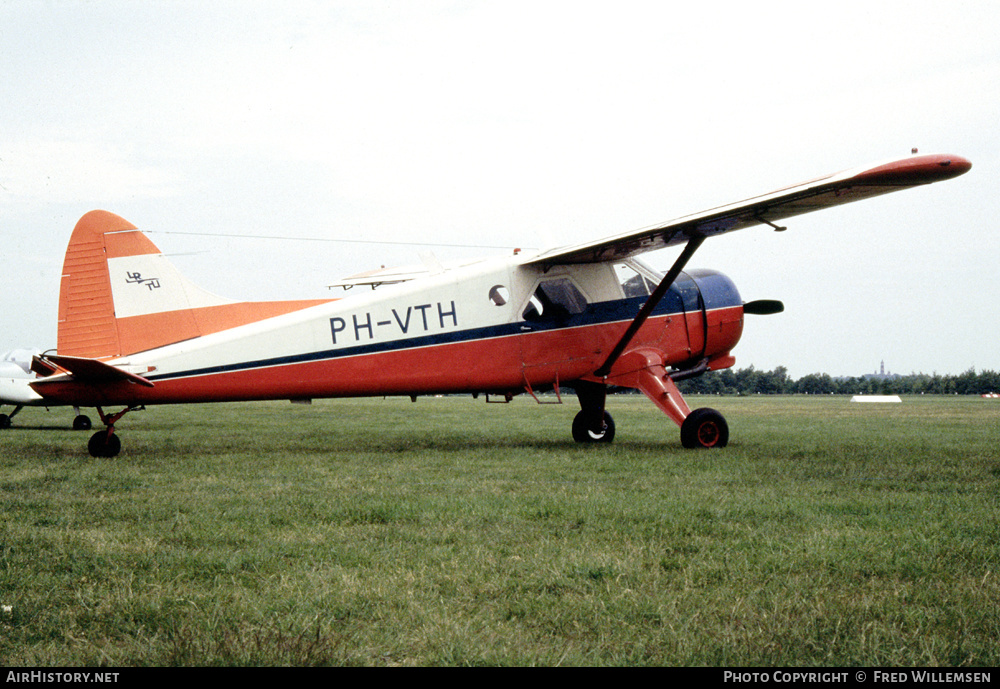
763	307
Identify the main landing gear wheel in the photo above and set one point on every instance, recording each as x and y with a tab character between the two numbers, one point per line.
81	423
582	434
4	421
104	444
704	428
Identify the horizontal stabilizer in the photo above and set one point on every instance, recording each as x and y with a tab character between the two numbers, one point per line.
90	371
42	367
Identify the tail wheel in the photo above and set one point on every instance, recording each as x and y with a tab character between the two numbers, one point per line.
583	434
104	444
704	428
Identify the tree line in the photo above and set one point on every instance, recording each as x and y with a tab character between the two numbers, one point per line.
749	381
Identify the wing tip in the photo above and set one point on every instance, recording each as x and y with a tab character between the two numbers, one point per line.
923	169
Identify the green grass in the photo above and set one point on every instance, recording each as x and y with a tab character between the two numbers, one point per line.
452	532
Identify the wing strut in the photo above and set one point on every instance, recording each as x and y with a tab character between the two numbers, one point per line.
654	299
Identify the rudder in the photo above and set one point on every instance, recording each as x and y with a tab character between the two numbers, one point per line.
86	308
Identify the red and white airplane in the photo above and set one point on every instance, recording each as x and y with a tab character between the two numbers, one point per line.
134	332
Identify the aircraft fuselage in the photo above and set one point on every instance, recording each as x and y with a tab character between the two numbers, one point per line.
493	326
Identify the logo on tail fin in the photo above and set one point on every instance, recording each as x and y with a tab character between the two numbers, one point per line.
136	278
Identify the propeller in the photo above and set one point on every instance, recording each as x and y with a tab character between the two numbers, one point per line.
763	307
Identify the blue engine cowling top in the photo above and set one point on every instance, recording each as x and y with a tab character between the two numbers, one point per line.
704	290
715	297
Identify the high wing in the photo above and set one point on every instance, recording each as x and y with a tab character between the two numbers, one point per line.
824	192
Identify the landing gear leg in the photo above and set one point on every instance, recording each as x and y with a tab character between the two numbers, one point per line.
105	443
593	424
701	428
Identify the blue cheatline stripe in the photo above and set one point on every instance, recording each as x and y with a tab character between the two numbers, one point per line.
345	352
596	314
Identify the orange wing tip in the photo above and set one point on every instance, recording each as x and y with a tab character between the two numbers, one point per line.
916	170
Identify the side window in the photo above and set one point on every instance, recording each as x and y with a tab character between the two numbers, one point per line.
499	295
633	284
555	299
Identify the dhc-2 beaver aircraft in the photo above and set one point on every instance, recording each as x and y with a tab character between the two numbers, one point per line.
134	332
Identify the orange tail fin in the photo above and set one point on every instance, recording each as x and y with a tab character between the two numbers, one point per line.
119	295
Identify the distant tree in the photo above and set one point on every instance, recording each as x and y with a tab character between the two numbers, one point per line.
750	381
815	384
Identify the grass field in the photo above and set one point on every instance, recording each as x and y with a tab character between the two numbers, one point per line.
452	532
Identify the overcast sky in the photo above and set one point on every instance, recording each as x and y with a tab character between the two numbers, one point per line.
516	124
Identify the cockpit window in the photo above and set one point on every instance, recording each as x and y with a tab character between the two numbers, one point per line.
633	284
683	294
555	299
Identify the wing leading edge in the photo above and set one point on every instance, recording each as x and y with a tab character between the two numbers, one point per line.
824	192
